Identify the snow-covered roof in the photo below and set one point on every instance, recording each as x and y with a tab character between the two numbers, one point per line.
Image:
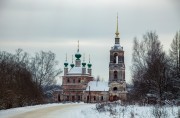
117	47
97	86
75	70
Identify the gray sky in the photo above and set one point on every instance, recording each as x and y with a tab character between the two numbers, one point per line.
57	25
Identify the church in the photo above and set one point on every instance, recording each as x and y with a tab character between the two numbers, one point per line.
78	84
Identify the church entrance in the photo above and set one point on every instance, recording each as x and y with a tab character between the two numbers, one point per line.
113	98
73	98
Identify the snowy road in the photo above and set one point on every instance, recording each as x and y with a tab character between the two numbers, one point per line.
56	111
82	110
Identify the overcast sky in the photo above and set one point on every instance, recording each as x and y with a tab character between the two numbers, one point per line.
57	25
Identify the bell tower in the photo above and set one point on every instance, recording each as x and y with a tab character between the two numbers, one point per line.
117	82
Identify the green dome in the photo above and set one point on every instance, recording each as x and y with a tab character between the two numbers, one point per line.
84	64
66	64
89	65
78	55
72	65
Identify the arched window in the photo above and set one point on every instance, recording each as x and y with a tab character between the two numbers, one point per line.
59	99
79	97
115	58
68	80
79	80
115	74
115	89
101	98
73	80
94	98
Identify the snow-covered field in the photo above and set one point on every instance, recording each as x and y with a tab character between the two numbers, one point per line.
134	111
82	110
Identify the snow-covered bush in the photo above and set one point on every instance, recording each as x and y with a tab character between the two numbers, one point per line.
118	110
159	112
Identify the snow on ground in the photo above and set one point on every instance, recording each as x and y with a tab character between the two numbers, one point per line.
21	110
14	111
132	111
83	110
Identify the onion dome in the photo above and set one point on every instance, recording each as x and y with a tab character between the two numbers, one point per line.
66	63
72	64
78	55
84	63
89	64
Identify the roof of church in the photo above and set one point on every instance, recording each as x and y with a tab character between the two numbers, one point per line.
97	86
117	47
75	71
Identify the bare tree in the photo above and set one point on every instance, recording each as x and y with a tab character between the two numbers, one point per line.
149	64
175	65
44	68
16	85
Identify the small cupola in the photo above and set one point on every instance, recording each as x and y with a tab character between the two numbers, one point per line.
66	63
72	64
89	64
84	63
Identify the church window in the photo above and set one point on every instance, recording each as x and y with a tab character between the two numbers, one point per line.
59	99
73	98
68	80
115	89
116	58
121	59
115	74
101	98
88	99
73	80
79	80
94	98
78	97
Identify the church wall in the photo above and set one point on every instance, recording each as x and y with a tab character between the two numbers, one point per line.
96	96
72	95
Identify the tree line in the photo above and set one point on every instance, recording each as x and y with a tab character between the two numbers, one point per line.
155	73
23	77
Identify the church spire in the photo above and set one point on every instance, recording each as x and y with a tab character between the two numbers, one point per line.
89	58
78	46
66	56
78	55
117	32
